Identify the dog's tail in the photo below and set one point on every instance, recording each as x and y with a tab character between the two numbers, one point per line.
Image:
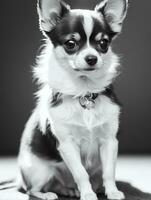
7	184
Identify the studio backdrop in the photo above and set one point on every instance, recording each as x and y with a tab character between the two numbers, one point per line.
20	40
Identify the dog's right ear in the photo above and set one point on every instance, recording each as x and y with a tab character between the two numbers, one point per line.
50	12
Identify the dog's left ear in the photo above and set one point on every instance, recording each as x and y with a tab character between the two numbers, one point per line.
114	12
50	12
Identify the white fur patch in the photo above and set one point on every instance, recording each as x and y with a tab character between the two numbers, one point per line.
88	25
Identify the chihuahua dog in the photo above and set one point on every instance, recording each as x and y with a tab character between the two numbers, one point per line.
69	145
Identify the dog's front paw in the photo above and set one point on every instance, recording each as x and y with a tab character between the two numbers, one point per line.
115	195
89	196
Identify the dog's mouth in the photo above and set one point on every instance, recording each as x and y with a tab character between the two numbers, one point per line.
85	69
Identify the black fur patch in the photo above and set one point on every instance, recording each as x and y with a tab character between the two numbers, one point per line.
109	92
68	25
45	145
100	28
56	100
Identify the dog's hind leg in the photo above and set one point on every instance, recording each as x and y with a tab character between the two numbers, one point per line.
36	177
35	171
34	184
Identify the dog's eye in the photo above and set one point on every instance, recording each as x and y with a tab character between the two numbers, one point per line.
70	45
104	45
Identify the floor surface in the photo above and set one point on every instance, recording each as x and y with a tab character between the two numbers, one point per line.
135	170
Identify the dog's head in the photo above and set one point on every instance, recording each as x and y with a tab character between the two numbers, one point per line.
82	38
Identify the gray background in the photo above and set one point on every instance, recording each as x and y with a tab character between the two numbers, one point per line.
19	42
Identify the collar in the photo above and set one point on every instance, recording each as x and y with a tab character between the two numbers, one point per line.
87	101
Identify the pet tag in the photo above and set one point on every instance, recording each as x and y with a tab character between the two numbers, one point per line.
87	101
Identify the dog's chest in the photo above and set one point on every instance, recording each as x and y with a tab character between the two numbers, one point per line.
81	123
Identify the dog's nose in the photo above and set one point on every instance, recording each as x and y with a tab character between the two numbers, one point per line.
91	60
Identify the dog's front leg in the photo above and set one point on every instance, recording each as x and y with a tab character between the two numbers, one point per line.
108	153
70	153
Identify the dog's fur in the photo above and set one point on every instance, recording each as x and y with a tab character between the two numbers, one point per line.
69	143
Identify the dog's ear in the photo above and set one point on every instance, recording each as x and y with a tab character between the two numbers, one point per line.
50	12
114	12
